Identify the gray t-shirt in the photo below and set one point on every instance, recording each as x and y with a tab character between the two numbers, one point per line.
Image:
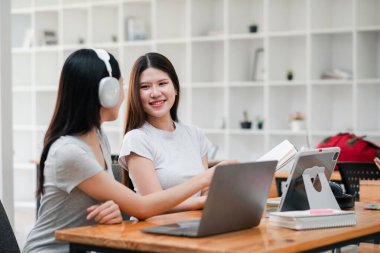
70	161
176	156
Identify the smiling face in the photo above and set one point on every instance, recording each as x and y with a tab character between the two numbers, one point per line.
157	93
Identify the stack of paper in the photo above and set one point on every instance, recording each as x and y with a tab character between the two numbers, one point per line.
283	153
311	219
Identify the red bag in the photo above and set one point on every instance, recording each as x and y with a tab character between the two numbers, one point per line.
352	148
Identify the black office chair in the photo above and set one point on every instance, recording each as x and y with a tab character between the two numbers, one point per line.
8	243
353	172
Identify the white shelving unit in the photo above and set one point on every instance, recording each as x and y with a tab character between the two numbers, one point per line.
213	51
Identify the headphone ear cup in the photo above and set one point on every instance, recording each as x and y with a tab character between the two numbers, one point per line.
109	92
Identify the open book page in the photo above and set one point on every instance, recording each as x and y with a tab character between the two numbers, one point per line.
283	153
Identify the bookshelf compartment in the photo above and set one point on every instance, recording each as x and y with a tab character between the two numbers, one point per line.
44	3
207	56
331	14
137	21
46	28
287	53
332	108
246	148
287	15
207	18
368	55
105	24
245	99
242	55
18	4
245	13
171	24
205	114
368	13
283	101
177	54
23	146
22	36
75	27
331	51
48	78
44	113
22	109
368	106
21	63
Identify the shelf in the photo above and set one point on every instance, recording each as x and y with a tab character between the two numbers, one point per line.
230	56
287	15
331	14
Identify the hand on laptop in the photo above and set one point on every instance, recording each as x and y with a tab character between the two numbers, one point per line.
106	213
226	162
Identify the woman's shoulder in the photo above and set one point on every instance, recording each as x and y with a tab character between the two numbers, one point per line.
189	128
68	146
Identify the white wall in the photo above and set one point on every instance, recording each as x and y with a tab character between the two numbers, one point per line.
6	143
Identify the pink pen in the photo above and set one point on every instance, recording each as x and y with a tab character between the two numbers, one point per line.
321	211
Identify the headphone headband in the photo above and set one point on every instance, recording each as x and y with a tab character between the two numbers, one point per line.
109	88
105	57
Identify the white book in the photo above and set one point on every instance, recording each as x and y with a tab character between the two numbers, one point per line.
313	219
283	153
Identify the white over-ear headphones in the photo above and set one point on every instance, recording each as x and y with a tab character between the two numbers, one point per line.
109	87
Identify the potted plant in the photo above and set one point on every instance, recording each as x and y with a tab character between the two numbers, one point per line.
289	75
245	124
297	121
259	122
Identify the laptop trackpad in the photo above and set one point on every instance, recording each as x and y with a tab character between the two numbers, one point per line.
186	228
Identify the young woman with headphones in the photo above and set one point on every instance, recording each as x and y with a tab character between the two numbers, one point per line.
158	151
76	183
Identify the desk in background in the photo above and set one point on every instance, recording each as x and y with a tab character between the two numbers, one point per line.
127	237
282	176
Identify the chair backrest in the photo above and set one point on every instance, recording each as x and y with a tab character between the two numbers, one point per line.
8	241
353	172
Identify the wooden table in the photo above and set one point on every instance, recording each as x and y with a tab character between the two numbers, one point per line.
281	176
127	237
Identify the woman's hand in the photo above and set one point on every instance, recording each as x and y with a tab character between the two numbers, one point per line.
106	213
377	162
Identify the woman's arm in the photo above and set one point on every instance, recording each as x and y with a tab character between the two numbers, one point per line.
205	165
103	188
147	182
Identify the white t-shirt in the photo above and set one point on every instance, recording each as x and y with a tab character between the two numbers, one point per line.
70	161
176	156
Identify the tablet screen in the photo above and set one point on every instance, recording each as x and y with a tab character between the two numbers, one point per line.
294	197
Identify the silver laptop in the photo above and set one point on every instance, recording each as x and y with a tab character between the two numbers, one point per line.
236	201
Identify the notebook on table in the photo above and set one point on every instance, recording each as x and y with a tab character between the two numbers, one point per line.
312	219
236	201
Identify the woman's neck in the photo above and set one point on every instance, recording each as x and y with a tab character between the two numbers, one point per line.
90	137
165	124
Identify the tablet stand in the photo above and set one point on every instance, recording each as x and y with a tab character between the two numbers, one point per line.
318	199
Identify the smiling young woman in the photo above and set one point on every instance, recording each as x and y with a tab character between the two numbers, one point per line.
158	151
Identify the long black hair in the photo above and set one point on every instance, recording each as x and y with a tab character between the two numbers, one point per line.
77	110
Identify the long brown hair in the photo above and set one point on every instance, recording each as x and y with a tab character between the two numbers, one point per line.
135	115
